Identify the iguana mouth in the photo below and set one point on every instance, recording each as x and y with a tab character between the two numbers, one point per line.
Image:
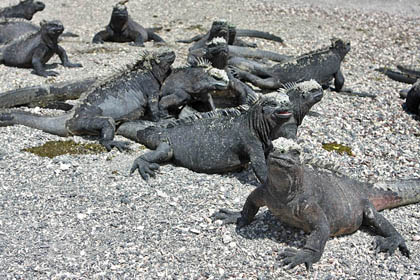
283	114
318	95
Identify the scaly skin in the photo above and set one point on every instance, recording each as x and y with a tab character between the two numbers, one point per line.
122	28
321	65
11	29
25	9
34	50
121	98
324	204
215	144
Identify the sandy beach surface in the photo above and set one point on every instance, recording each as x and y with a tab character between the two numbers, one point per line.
84	217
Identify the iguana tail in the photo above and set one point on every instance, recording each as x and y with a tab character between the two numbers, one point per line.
391	194
54	125
44	93
258	34
256	53
409	70
397	76
129	129
193	39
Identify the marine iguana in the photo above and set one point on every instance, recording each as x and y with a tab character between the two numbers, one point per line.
191	83
221	142
218	28
124	97
35	49
25	9
321	65
323	204
408	75
302	97
122	28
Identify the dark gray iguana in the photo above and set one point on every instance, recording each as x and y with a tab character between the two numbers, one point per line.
127	96
218	27
25	9
321	65
323	204
215	144
408	75
191	83
122	28
35	49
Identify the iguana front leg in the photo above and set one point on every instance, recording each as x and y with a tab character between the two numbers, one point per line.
37	64
148	162
174	99
137	38
243	218
338	80
101	37
312	215
64	58
390	239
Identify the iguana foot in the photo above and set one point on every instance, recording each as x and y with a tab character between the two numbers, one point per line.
231	217
226	216
390	244
293	257
146	169
120	145
72	65
47	73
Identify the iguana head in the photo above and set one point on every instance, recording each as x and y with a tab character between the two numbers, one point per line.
284	166
203	78
30	7
342	47
119	17
216	51
219	28
158	62
268	115
52	29
302	97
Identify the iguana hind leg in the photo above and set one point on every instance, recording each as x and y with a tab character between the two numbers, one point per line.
102	126
389	239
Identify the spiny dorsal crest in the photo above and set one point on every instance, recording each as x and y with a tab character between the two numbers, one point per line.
218	113
305	86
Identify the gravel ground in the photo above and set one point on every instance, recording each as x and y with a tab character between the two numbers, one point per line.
83	217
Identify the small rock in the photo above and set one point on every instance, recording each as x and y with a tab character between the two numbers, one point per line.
227	238
416	238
